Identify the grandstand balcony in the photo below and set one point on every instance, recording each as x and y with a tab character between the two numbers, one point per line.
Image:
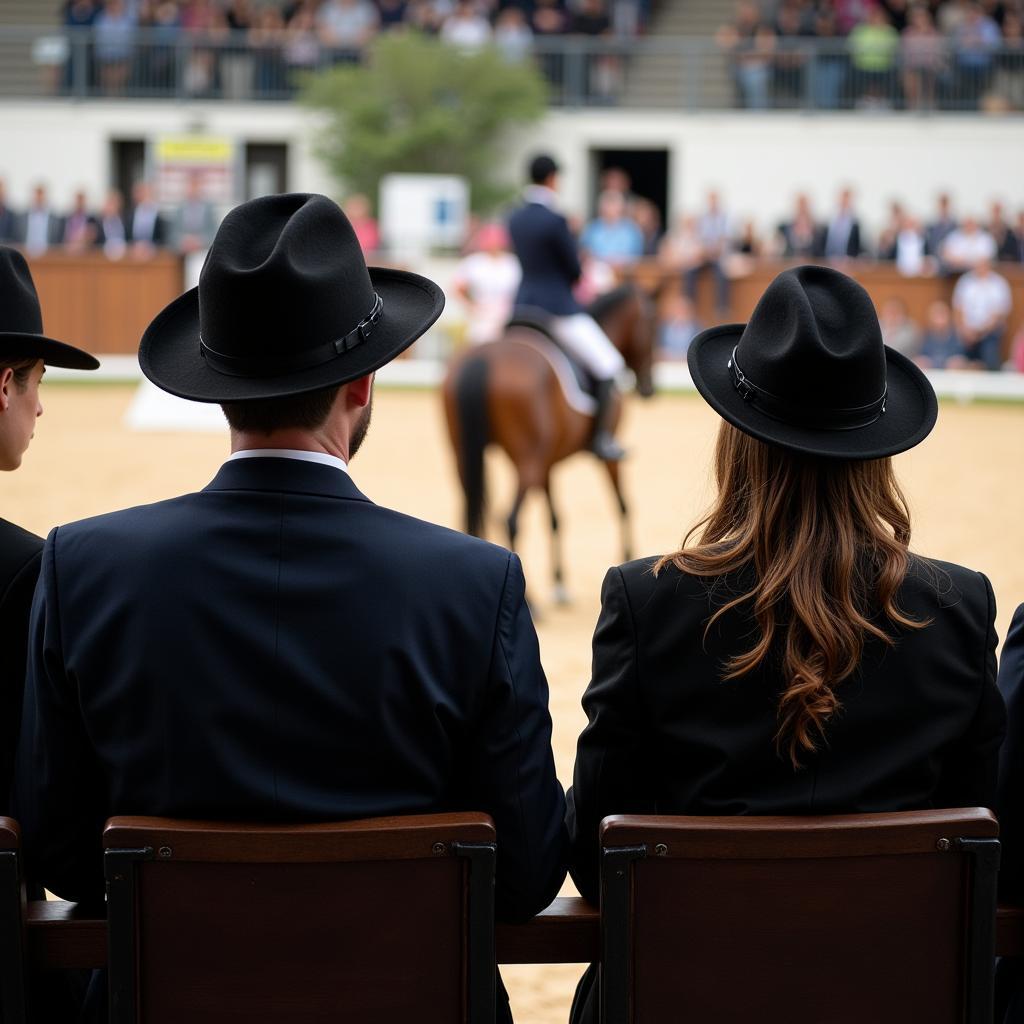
655	71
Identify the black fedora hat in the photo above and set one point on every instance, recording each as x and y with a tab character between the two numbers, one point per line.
809	372
285	304
21	321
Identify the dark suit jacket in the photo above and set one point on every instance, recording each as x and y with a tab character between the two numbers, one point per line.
278	647
853	247
20	552
920	727
9	225
549	258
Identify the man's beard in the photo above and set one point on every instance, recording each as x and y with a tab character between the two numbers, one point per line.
361	429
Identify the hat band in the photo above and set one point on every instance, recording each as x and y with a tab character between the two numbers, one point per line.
817	419
276	365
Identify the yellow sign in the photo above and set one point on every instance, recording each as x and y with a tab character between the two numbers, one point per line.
194	149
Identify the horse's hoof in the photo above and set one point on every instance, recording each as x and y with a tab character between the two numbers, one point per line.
561	596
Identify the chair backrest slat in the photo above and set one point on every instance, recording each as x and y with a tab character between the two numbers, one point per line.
370	920
883	917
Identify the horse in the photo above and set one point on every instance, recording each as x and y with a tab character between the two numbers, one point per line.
507	392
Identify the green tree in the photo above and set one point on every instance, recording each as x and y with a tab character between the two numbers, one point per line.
419	106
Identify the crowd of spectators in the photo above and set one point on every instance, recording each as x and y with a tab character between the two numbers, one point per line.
241	48
917	54
137	229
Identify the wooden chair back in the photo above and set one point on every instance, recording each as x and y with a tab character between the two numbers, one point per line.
885	918
12	928
384	920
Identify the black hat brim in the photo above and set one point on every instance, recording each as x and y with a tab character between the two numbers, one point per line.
53	353
910	413
170	357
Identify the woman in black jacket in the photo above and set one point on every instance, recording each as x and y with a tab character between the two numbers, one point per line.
793	657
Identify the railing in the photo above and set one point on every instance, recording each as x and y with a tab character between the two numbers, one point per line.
680	73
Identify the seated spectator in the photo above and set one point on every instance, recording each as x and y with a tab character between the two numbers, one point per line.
147	229
982	302
40	227
789	67
909	255
195	222
842	237
681	248
748	242
9	219
392	13
465	28
874	47
549	18
1005	238
346	26
888	235
604	70
648	218
802	238
923	51
967	246
1008	83
267	39
677	327
111	234
940	229
487	280
297	652
751	44
114	37
940	345
302	43
794	657
975	41
899	332
512	35
830	67
613	236
715	233
80	226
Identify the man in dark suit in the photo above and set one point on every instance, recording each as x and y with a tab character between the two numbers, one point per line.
24	352
842	233
1011	806
40	226
550	264
147	228
277	646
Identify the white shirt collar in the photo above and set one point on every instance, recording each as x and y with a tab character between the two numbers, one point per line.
541	194
291	453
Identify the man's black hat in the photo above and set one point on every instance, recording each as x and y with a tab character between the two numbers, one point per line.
810	373
285	305
21	321
541	168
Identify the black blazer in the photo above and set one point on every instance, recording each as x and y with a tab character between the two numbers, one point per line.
277	647
920	727
549	259
20	552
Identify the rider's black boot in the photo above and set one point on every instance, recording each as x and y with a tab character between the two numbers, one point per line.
604	445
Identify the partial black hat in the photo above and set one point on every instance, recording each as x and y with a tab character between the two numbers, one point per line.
285	305
21	320
810	372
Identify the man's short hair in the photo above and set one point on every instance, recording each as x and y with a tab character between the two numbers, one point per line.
293	412
541	168
21	368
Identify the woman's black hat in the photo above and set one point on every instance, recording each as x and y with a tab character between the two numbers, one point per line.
810	373
21	321
285	305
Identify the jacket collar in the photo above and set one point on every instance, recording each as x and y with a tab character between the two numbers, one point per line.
285	475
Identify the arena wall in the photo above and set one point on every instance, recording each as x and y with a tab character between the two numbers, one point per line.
758	161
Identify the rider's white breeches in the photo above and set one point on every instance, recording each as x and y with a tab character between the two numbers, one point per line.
582	336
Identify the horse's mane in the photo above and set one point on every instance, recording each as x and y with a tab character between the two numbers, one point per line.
605	304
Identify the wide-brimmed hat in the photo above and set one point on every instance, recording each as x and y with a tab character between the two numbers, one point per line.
285	305
809	372
21	320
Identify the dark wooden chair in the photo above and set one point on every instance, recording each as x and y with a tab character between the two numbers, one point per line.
884	918
382	920
12	929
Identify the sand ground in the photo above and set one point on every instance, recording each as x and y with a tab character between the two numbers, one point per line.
964	483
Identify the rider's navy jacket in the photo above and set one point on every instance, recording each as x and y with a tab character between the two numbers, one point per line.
278	647
549	258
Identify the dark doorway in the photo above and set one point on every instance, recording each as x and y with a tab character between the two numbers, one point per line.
127	164
266	169
647	170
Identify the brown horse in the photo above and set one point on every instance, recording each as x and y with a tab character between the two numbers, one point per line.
507	393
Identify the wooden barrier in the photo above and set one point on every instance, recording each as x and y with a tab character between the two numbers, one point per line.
104	305
882	281
60	936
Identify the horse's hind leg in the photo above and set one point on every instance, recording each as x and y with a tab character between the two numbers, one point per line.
561	595
625	520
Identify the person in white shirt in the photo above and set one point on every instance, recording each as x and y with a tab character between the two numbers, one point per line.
981	304
487	281
112	237
42	227
466	28
967	246
146	229
347	25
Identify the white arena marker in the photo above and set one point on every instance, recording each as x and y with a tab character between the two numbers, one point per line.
154	410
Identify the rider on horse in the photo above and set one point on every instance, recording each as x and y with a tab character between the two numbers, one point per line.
551	266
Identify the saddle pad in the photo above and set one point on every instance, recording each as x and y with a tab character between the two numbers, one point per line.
565	371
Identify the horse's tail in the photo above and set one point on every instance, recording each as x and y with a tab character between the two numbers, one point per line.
474	434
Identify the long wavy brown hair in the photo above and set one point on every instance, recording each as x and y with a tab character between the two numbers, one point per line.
827	540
